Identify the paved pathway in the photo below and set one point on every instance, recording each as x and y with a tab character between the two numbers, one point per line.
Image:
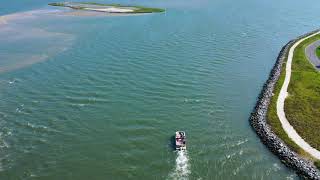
292	133
311	54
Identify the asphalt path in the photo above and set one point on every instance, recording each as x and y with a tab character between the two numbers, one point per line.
311	54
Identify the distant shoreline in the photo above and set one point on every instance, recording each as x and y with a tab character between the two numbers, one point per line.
107	8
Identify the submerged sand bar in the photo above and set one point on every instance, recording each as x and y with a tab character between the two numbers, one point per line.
106	8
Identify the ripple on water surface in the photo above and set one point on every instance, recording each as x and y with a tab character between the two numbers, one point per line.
107	103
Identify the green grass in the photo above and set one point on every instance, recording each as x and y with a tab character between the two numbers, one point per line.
317	164
57	4
138	9
141	9
303	104
66	5
272	117
318	52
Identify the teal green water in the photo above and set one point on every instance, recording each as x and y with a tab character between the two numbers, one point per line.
101	97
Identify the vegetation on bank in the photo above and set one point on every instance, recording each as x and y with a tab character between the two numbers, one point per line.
139	9
81	6
317	164
318	52
56	4
272	117
66	5
303	103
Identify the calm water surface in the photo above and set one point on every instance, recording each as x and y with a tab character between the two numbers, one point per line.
101	97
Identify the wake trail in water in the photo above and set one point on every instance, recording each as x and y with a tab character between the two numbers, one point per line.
182	167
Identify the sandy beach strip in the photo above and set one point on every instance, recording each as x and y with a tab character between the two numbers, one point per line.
111	10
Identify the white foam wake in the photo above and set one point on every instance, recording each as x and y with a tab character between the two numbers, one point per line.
182	167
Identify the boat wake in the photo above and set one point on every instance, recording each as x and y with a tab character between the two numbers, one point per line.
182	167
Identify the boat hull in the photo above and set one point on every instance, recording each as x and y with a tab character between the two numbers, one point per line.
180	139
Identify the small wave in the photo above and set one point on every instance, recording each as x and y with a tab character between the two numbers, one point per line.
230	145
13	81
182	168
78	105
241	142
4	144
40	128
229	156
20	108
32	126
291	177
275	167
243	165
191	100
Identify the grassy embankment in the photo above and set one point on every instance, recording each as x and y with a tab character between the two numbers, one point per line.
137	9
317	163
318	52
303	103
65	5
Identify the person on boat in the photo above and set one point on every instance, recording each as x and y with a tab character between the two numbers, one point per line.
181	134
